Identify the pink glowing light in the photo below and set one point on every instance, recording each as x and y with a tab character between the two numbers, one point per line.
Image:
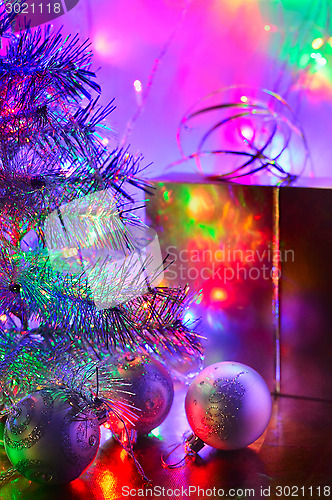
138	86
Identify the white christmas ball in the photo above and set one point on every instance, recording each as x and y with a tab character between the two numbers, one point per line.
228	405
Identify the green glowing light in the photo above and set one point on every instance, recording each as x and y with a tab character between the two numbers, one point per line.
208	230
304	60
156	433
167	195
199	298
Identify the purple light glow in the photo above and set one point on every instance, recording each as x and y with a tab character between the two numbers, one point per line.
191	50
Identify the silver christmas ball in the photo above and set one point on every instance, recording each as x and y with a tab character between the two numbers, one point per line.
50	439
228	405
149	389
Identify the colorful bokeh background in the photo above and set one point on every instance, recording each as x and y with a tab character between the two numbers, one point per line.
218	239
160	57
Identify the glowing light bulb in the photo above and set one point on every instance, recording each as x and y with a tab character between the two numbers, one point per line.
247	132
199	298
244	98
103	45
218	295
188	317
319	58
317	43
267	27
156	433
201	204
167	195
304	60
138	86
322	61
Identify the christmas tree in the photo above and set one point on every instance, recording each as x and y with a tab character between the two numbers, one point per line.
76	282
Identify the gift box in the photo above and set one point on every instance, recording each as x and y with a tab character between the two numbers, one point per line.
219	238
